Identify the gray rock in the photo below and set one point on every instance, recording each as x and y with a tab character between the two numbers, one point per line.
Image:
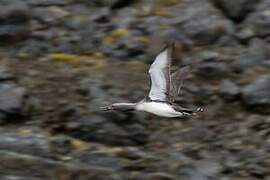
154	176
31	143
209	56
236	9
137	132
99	129
191	174
102	159
49	15
111	3
229	90
132	153
12	101
256	54
60	144
24	165
209	168
33	47
48	2
214	70
10	177
14	22
200	21
245	34
101	16
259	20
257	94
125	47
5	75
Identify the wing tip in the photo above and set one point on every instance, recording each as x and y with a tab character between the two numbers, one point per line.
167	45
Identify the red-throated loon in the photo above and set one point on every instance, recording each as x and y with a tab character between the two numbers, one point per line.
162	91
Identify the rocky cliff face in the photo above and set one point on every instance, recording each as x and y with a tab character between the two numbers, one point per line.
60	60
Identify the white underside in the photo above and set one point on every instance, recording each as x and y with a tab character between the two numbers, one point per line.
160	109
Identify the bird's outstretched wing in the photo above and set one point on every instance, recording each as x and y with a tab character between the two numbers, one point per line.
177	79
160	76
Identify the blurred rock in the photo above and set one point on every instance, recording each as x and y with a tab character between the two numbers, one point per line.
5	75
114	4
101	16
26	141
255	54
33	48
10	177
99	129
60	144
14	22
137	133
154	176
132	153
40	168
12	102
189	173
259	20
102	159
48	2
208	56
209	168
236	9
245	34
257	94
50	15
91	88
229	90
200	21
213	70
125	47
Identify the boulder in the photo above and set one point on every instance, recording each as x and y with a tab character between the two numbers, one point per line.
213	70
14	22
25	141
259	20
257	94
256	54
99	129
12	102
200	21
20	165
236	9
48	2
229	90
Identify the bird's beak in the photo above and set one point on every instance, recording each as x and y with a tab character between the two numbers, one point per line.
106	108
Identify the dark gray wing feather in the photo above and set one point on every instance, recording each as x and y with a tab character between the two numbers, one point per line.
177	79
160	76
184	110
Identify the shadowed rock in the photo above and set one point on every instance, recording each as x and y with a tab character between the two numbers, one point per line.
14	22
257	94
24	165
12	102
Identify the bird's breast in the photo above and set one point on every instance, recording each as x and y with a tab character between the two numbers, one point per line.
160	109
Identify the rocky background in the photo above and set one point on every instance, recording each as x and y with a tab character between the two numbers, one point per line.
61	60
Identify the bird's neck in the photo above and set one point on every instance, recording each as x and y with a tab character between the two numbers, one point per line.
125	106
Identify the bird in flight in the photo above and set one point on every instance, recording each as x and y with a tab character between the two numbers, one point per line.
164	87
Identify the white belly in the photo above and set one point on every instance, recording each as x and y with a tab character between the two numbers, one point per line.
160	109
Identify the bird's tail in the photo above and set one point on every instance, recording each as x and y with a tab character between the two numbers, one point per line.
199	109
